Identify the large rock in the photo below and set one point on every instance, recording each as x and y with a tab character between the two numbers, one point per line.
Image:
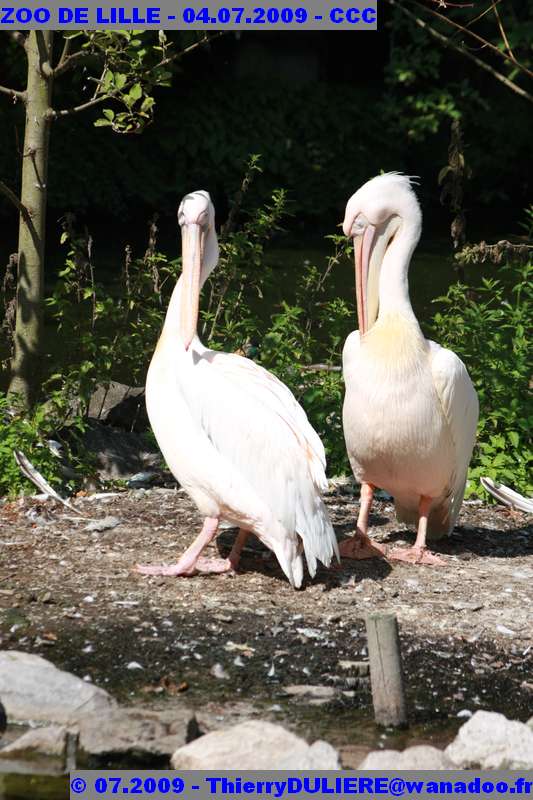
254	745
414	758
136	732
49	741
33	689
490	741
119	405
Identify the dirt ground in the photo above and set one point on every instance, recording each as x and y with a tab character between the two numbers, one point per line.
231	645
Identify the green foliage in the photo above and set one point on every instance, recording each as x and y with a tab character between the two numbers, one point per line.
239	281
134	63
418	99
114	332
428	86
487	326
29	432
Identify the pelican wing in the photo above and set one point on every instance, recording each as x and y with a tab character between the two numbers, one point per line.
254	421
460	406
278	398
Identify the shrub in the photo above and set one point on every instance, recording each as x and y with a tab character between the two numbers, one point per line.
487	326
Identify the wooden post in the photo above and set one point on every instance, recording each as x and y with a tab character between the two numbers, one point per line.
386	675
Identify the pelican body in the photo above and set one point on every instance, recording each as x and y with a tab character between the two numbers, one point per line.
232	434
410	410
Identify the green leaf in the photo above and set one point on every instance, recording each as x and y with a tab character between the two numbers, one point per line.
136	92
147	104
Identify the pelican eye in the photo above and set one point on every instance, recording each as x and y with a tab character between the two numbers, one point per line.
202	218
359	225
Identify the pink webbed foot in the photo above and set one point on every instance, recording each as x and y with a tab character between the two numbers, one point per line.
360	547
191	563
417	555
215	565
169	571
201	565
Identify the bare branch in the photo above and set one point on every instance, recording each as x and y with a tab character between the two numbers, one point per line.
69	61
446	4
319	368
67	112
101	98
64	53
444	40
44	46
200	43
12	197
502	31
14	93
482	14
475	36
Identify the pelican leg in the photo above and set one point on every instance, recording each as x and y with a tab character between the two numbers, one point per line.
360	546
419	553
187	565
228	564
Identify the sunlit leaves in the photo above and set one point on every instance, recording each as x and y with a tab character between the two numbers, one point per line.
131	65
486	326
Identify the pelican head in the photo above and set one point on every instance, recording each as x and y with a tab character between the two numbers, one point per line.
374	215
196	218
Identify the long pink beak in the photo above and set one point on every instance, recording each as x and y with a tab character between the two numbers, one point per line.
362	248
191	254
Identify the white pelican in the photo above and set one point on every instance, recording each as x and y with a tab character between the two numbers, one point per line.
233	435
410	410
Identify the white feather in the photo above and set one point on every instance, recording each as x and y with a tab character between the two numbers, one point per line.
508	496
460	407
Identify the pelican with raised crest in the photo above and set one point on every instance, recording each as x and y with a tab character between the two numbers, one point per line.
410	410
232	434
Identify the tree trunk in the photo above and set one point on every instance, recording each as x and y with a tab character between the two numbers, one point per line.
25	367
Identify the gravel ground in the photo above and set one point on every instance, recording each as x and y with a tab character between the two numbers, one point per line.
232	645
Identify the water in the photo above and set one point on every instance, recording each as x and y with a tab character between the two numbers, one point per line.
34	787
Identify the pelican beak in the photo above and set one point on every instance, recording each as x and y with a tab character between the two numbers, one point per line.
362	246
369	251
191	255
